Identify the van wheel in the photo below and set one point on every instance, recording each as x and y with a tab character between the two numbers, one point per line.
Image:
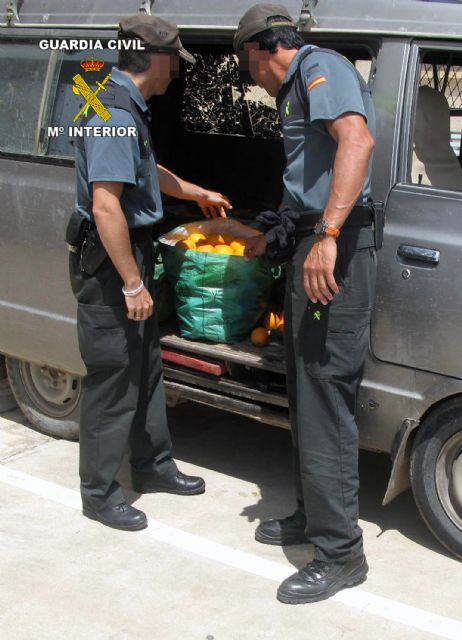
436	474
49	398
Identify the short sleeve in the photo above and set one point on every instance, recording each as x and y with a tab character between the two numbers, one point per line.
113	158
332	87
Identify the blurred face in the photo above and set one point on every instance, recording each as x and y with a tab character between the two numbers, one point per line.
164	67
259	65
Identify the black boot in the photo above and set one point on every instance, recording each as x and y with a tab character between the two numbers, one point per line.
286	531
122	516
176	482
320	580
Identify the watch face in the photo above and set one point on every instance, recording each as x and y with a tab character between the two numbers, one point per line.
320	228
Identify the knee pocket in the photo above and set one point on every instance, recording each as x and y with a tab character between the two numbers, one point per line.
103	335
334	340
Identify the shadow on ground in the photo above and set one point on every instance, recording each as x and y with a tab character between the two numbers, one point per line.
243	448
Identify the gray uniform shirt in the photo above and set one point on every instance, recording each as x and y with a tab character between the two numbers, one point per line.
118	159
331	88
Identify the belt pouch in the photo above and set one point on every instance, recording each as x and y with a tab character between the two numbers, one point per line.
93	253
75	231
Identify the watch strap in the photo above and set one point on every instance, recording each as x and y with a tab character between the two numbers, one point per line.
332	231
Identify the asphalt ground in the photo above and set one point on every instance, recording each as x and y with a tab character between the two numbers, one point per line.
196	573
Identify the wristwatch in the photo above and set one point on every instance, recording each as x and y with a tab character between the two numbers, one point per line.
322	228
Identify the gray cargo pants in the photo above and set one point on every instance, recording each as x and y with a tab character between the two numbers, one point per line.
123	400
325	350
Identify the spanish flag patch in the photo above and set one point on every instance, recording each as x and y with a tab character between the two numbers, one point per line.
314	83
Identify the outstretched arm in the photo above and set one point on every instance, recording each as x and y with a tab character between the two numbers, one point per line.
213	204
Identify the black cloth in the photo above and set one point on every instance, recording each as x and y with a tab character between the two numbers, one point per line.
325	350
123	399
281	227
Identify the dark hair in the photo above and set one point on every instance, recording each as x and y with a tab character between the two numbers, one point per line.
134	61
285	37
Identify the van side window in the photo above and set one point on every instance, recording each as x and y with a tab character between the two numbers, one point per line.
220	99
66	102
436	148
24	68
217	99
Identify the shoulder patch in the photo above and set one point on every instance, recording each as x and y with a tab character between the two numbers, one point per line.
314	83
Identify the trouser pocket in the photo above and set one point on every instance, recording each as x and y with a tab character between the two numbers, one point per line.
334	340
103	335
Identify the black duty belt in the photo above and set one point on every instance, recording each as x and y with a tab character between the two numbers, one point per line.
360	216
137	234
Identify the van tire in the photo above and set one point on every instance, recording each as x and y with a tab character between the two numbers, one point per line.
436	474
48	398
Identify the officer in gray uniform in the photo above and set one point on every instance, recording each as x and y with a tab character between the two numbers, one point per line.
111	268
324	229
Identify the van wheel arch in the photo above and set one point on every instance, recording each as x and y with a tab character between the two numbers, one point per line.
49	398
436	473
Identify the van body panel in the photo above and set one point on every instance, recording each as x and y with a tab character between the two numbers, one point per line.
389	16
378	16
37	309
88	12
186	13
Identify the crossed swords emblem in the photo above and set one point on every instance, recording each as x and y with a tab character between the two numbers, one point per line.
80	87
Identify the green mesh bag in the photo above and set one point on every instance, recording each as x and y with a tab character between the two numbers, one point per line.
217	297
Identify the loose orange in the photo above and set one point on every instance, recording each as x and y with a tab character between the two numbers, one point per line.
186	244
205	248
259	337
196	237
223	248
215	238
238	247
271	320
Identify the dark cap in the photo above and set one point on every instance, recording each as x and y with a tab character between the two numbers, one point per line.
259	18
157	34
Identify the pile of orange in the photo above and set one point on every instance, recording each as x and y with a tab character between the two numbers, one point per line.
272	321
213	243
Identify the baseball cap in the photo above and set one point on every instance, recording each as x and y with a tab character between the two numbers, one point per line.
259	18
157	34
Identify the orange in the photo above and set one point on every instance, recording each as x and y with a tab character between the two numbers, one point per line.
196	237
186	244
238	247
259	337
205	248
223	248
271	320
215	238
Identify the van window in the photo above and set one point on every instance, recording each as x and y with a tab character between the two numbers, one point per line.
65	103
24	68
436	147
218	99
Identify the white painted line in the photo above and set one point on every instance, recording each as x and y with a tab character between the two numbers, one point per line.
413	617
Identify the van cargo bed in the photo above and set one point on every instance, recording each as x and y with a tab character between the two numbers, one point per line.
254	385
269	358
